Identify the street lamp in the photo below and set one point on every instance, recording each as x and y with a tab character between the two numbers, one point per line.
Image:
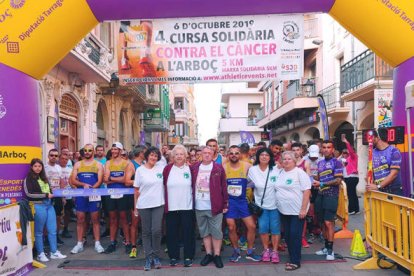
308	87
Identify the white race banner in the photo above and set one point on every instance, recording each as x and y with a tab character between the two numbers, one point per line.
15	259
211	49
383	107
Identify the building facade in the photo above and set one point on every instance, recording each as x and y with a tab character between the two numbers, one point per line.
240	107
185	128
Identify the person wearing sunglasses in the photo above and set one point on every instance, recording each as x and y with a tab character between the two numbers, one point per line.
118	205
236	173
54	174
87	174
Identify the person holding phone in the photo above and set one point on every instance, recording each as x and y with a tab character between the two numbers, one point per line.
351	176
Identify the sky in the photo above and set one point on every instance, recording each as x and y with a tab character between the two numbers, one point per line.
207	102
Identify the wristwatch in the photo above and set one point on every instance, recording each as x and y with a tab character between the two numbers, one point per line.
378	186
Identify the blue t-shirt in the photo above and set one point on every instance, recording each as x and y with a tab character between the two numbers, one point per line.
328	170
219	159
383	161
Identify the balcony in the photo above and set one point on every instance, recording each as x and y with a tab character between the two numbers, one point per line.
334	103
304	87
360	76
236	124
90	59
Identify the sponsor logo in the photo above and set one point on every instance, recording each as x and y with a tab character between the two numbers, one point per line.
17	4
290	31
289	181
186	175
3	109
159	175
273	179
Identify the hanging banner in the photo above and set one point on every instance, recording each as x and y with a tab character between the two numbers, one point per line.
16	258
213	49
247	137
324	118
383	107
409	95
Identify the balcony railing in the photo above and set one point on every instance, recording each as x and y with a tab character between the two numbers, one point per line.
332	96
252	121
260	114
310	28
365	67
299	88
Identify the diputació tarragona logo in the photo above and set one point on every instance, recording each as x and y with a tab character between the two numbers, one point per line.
17	4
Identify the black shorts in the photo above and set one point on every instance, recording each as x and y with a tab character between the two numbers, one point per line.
58	205
314	194
326	207
69	205
121	204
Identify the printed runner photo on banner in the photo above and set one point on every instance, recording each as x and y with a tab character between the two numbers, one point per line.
15	250
214	49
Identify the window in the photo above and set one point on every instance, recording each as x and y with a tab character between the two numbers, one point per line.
105	33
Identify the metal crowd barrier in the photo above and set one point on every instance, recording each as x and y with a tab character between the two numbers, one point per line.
389	229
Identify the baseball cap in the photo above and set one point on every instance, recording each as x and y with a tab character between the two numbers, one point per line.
313	151
118	145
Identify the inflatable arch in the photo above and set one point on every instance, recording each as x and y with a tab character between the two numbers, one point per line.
35	35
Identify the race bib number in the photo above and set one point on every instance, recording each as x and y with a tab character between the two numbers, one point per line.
55	183
234	190
94	198
117	196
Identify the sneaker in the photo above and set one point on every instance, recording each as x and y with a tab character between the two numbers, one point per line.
57	255
59	241
42	257
218	262
242	245
65	234
98	248
226	242
111	248
305	243
275	257
208	258
147	265
188	262
352	213
128	248
253	257
77	248
321	252
235	257
173	262
105	234
330	256
266	255
311	238
133	253
157	263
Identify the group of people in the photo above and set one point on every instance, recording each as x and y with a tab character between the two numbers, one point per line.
202	188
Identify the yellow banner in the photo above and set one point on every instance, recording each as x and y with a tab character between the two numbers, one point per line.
385	26
18	154
36	35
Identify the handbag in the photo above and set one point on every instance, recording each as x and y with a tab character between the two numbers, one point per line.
253	207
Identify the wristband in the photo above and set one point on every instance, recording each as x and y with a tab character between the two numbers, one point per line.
321	184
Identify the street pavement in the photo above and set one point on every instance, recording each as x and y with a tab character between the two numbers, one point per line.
341	247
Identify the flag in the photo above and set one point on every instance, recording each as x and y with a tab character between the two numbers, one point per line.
56	126
324	117
142	138
246	137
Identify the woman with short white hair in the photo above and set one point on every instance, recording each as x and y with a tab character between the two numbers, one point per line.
179	207
292	200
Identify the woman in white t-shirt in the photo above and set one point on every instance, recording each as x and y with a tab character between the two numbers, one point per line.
292	199
264	170
179	207
149	202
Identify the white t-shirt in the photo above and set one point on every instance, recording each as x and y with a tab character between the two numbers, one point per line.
53	174
151	187
66	172
162	162
202	192
180	192
258	177
289	190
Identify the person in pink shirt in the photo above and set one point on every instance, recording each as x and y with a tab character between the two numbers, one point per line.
351	177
